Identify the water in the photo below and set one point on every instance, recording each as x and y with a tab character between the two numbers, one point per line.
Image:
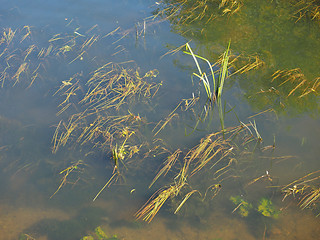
31	173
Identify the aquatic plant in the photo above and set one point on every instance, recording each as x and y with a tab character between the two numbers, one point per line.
242	206
187	11
105	121
109	88
306	9
306	188
214	91
214	156
296	86
267	209
16	67
99	234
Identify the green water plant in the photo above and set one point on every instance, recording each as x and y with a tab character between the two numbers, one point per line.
99	234
242	207
214	89
267	209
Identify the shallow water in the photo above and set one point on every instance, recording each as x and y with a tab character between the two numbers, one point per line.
29	203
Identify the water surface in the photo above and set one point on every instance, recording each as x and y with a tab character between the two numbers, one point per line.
127	34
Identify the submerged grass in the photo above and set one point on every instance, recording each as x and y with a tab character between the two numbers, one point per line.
295	77
104	119
187	11
101	113
306	9
203	169
109	89
306	189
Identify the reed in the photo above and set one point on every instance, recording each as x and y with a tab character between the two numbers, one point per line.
215	88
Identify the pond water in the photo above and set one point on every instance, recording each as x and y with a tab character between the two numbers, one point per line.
95	101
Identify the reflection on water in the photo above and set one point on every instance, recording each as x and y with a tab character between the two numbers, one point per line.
54	59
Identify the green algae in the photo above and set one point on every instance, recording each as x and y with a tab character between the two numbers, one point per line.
242	206
99	234
267	209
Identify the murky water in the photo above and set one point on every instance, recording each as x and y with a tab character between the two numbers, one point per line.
60	44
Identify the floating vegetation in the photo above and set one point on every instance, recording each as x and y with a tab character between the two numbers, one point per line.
25	236
301	87
66	174
109	88
14	63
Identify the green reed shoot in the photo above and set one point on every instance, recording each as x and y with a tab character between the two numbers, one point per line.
214	91
202	75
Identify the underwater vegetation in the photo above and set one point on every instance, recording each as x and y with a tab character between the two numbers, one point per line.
103	112
273	37
270	47
243	206
306	190
265	207
106	122
99	234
